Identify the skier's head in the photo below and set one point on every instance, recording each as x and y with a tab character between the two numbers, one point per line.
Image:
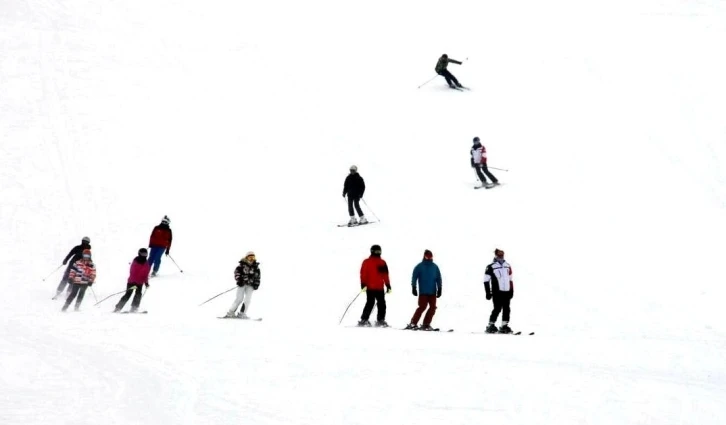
445	56
86	240
143	252
476	141
165	220
86	254
498	255
376	250
353	169
428	255
249	257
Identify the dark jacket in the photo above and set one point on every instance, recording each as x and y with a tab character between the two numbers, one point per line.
76	253
354	186
161	237
248	274
443	63
428	275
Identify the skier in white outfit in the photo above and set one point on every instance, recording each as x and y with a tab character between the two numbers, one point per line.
247	275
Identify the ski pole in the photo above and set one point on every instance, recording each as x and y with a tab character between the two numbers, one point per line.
369	209
59	267
234	287
351	303
432	79
94	295
499	169
177	265
112	295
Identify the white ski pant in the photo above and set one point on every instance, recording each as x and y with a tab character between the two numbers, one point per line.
244	295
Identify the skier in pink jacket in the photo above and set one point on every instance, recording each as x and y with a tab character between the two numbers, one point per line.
138	276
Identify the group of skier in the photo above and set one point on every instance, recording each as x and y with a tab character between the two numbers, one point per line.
427	286
81	271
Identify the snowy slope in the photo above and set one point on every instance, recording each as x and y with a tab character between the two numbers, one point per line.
240	122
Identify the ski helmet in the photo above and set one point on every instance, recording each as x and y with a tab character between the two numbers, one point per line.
376	250
353	168
86	239
165	220
476	139
143	252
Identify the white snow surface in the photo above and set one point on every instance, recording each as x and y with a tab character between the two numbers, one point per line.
239	120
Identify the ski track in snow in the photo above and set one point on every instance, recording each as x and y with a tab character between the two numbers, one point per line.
240	122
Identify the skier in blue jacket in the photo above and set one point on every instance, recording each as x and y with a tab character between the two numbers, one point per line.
428	276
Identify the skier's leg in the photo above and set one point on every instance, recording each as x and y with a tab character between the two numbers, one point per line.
237	300
137	298
71	296
506	310
81	294
479	174
431	300
122	302
447	75
248	290
496	299
358	209
489	174
381	304
458	84
64	281
350	206
419	311
370	302
155	258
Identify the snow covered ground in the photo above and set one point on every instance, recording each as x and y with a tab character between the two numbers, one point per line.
240	121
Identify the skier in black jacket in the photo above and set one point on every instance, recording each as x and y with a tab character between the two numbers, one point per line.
354	187
442	69
75	254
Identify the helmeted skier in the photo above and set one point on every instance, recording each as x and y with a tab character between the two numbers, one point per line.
442	69
354	186
479	162
499	288
159	244
428	276
138	277
81	276
75	254
373	278
248	276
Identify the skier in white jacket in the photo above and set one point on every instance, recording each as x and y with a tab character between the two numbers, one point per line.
248	276
499	288
479	162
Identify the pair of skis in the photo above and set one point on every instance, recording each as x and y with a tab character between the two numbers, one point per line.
356	224
253	319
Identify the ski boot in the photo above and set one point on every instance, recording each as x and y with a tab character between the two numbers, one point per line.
242	315
230	316
352	222
491	329
426	328
411	326
505	329
381	324
363	220
364	323
117	310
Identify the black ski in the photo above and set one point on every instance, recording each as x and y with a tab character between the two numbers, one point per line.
356	225
254	319
422	330
134	312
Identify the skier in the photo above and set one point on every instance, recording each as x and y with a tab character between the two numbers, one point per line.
441	69
479	162
81	276
248	276
75	254
138	276
501	292
428	275
354	187
373	277
159	243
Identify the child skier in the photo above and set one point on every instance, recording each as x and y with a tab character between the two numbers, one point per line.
82	275
373	277
75	254
441	69
159	243
501	292
354	186
248	276
428	275
479	162
138	276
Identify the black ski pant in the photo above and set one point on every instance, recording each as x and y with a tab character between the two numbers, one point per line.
130	287
372	297
450	79
354	202
501	305
482	170
76	289
64	280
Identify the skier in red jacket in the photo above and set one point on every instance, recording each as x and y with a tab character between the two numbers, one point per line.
373	278
159	243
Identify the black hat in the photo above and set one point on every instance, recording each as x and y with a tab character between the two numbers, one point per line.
376	250
476	139
428	255
143	252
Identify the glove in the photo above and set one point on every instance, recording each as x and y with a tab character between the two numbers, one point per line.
414	291
389	290
362	287
167	251
489	295
255	287
65	262
146	284
438	293
388	286
344	195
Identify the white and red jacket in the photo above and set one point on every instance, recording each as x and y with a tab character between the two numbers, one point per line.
82	272
479	154
499	275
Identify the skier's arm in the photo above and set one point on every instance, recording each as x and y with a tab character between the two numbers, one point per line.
439	280
168	247
487	279
383	270
454	61
362	187
362	275
346	186
415	275
71	254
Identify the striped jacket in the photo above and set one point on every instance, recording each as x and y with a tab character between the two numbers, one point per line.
82	272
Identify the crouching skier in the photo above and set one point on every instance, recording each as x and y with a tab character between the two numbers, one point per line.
81	276
138	277
248	276
501	292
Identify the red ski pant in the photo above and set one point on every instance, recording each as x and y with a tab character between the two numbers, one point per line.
423	302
